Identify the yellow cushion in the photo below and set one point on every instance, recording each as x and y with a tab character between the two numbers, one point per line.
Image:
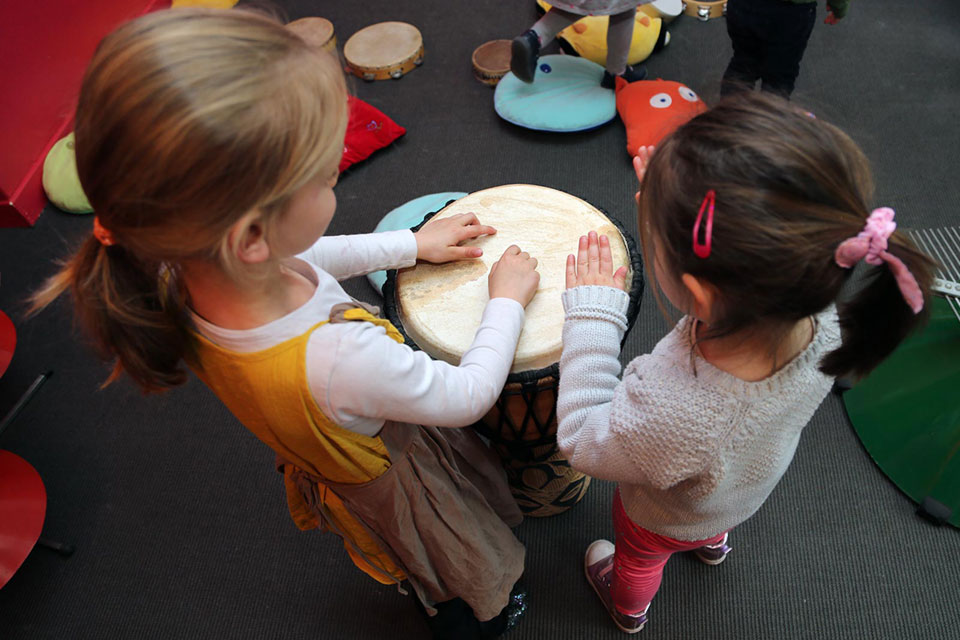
588	37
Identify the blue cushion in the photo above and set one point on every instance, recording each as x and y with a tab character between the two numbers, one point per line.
565	96
410	215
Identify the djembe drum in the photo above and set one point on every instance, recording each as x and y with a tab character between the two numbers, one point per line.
438	307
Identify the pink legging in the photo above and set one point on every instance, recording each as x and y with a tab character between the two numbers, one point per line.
639	560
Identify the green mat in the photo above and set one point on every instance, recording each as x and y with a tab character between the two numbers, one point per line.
907	412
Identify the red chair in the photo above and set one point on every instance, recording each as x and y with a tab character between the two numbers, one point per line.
23	505
23	498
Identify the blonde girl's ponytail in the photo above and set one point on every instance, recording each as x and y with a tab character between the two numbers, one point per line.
120	303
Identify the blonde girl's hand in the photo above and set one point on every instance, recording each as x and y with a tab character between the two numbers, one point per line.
594	264
514	276
640	162
439	240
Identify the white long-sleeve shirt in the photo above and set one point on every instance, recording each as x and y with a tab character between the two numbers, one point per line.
695	451
358	376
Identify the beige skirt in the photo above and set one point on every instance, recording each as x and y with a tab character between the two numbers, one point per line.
443	512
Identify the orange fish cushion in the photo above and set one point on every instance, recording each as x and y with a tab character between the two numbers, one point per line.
651	109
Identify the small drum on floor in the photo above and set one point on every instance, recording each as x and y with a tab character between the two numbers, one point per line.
384	50
491	61
666	10
439	308
317	32
705	10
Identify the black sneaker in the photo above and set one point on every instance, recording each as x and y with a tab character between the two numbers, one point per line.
631	74
524	53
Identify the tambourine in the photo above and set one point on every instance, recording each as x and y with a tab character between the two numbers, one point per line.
704	11
384	50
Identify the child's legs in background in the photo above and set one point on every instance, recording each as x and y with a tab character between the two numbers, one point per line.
639	559
745	28
619	36
553	22
785	46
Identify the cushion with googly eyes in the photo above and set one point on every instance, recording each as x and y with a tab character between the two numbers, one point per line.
651	109
565	95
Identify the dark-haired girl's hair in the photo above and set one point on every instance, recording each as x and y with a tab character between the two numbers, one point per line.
789	189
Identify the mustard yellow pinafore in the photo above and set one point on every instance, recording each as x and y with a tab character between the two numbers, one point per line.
426	504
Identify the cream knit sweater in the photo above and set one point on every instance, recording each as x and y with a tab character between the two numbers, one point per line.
694	454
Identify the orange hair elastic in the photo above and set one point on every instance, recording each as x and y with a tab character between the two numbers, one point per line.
101	234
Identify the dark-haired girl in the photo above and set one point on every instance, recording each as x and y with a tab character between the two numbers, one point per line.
752	216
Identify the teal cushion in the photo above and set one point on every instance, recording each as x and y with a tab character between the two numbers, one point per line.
410	215
565	96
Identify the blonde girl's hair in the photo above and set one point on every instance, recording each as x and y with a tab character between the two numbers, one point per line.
789	189
187	120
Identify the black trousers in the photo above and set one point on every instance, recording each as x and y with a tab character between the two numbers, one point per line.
769	38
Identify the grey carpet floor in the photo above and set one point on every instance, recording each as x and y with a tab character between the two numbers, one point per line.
179	520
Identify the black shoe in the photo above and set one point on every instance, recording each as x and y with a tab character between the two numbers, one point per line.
509	617
524	53
631	74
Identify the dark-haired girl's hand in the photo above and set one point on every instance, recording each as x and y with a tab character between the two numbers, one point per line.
640	162
594	264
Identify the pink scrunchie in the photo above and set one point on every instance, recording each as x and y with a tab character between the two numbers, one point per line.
871	245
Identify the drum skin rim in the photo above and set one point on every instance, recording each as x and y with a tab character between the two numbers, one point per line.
531	376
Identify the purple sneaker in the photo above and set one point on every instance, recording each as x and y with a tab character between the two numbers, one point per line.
714	553
598	566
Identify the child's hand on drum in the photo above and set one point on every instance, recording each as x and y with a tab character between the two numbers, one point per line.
594	264
514	276
438	240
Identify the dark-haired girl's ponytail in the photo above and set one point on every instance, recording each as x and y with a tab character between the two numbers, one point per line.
132	310
892	303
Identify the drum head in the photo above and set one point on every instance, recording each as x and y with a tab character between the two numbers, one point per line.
382	44
440	305
666	9
317	32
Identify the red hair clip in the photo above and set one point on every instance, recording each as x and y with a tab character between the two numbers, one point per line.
703	250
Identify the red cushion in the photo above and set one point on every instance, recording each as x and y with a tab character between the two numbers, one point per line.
367	130
651	109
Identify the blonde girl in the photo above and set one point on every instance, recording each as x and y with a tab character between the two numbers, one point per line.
208	143
752	216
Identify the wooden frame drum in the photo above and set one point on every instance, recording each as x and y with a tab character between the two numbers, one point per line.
491	61
438	307
666	10
317	32
384	50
